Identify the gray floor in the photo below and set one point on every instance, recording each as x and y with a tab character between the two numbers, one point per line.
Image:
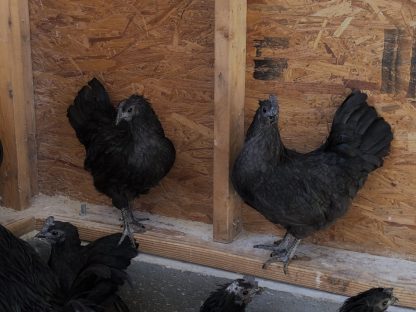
161	285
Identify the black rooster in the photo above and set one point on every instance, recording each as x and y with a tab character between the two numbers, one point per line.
307	192
127	152
372	300
91	273
232	297
27	284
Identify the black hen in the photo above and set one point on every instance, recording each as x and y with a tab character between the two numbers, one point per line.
91	273
307	192
29	285
232	297
372	300
127	152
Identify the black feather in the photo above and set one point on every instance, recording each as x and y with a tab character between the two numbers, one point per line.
29	285
372	300
127	159
91	273
231	297
307	192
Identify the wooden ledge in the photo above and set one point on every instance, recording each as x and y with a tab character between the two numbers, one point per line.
327	269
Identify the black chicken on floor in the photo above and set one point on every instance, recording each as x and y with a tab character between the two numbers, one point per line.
28	284
232	297
95	271
127	151
372	300
307	192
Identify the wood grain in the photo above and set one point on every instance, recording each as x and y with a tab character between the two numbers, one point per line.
18	172
230	44
21	226
327	270
162	49
309	53
329	48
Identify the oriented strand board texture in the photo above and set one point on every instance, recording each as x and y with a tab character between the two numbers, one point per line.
309	53
162	49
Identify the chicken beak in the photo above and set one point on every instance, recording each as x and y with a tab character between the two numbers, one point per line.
119	118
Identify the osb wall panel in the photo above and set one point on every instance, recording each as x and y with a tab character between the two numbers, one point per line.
310	53
162	49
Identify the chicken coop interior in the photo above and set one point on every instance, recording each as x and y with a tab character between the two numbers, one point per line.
204	65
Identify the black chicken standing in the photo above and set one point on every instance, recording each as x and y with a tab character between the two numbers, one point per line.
232	297
372	300
307	192
127	151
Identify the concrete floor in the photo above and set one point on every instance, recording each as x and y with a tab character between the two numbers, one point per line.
161	285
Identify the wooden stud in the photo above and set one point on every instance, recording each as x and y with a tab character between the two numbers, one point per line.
230	55
18	173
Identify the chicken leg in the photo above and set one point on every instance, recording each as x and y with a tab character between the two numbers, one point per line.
130	220
282	251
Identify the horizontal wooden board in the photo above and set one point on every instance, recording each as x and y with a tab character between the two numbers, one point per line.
311	54
162	49
319	268
329	269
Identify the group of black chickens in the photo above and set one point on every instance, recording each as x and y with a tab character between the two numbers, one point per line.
127	154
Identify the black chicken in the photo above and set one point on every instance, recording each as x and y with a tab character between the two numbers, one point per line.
232	297
307	192
372	300
27	284
127	152
91	273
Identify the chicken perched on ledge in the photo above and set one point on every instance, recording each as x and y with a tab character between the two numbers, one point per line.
308	192
127	151
372	300
232	297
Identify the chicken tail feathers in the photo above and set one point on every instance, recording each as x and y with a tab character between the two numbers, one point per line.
91	107
357	131
105	271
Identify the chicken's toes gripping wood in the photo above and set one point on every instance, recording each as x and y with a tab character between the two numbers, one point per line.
127	231
138	226
282	251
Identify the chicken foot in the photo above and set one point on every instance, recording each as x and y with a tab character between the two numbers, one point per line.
136	221
282	251
127	231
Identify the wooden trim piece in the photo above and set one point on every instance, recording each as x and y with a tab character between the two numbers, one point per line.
230	60
18	172
327	270
21	226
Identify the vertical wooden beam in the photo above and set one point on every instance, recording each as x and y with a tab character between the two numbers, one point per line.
18	172
230	64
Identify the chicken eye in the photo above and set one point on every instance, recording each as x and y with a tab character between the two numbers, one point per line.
264	109
384	303
245	292
54	233
130	110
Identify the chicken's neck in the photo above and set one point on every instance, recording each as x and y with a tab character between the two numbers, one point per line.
144	127
264	139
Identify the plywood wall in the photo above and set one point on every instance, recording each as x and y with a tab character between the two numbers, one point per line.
162	49
310	53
